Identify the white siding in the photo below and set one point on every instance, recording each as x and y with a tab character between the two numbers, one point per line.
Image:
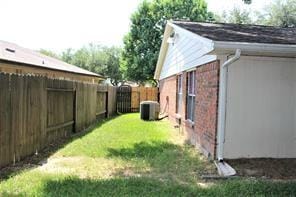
186	53
261	108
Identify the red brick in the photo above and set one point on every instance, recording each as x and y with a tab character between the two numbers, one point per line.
204	132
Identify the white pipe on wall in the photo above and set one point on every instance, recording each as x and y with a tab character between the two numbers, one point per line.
222	104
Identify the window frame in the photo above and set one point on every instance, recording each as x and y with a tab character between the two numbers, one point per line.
190	95
179	94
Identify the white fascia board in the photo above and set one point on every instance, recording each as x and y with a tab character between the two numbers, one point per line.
163	51
277	50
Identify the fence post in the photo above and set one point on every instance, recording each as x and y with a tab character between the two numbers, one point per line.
106	103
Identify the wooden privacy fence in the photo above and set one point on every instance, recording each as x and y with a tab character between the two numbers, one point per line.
112	100
124	97
140	94
35	111
129	98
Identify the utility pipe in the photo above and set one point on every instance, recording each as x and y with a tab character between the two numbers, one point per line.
222	104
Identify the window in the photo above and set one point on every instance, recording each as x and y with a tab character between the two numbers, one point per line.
179	94
190	95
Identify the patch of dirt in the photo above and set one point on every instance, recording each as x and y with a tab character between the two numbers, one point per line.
84	167
265	168
36	160
130	172
31	162
54	165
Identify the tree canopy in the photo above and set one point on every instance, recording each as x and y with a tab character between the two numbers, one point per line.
98	59
142	43
49	53
236	15
279	13
247	1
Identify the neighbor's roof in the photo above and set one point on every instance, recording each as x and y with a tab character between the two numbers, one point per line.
241	33
14	53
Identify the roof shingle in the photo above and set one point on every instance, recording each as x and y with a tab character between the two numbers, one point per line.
241	33
15	53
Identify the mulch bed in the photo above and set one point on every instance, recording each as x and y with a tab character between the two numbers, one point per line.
265	168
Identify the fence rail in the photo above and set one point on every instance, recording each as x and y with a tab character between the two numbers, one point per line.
34	111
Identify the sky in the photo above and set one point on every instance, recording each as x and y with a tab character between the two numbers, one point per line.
60	24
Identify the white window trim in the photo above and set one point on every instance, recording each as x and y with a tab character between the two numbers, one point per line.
179	94
190	95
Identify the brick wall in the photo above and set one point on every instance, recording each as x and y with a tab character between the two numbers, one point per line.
206	109
203	133
167	98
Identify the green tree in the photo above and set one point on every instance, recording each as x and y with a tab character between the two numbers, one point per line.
80	59
247	1
142	43
279	13
49	53
112	69
236	15
67	55
98	59
239	16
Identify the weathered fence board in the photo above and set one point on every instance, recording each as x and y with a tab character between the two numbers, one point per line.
112	100
60	109
86	95
140	94
102	101
34	111
5	113
124	99
129	98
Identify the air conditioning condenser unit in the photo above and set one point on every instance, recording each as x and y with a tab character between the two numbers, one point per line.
149	110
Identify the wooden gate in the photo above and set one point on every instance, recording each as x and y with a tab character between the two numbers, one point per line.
102	102
60	110
124	99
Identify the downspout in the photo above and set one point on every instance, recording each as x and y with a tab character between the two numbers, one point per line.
222	104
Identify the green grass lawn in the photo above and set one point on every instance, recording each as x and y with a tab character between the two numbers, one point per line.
125	156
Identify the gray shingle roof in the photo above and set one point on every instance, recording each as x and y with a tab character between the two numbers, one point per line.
15	53
241	33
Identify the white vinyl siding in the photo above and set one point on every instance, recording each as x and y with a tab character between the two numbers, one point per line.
185	54
260	110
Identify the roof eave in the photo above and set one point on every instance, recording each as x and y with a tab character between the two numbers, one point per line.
60	70
255	49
